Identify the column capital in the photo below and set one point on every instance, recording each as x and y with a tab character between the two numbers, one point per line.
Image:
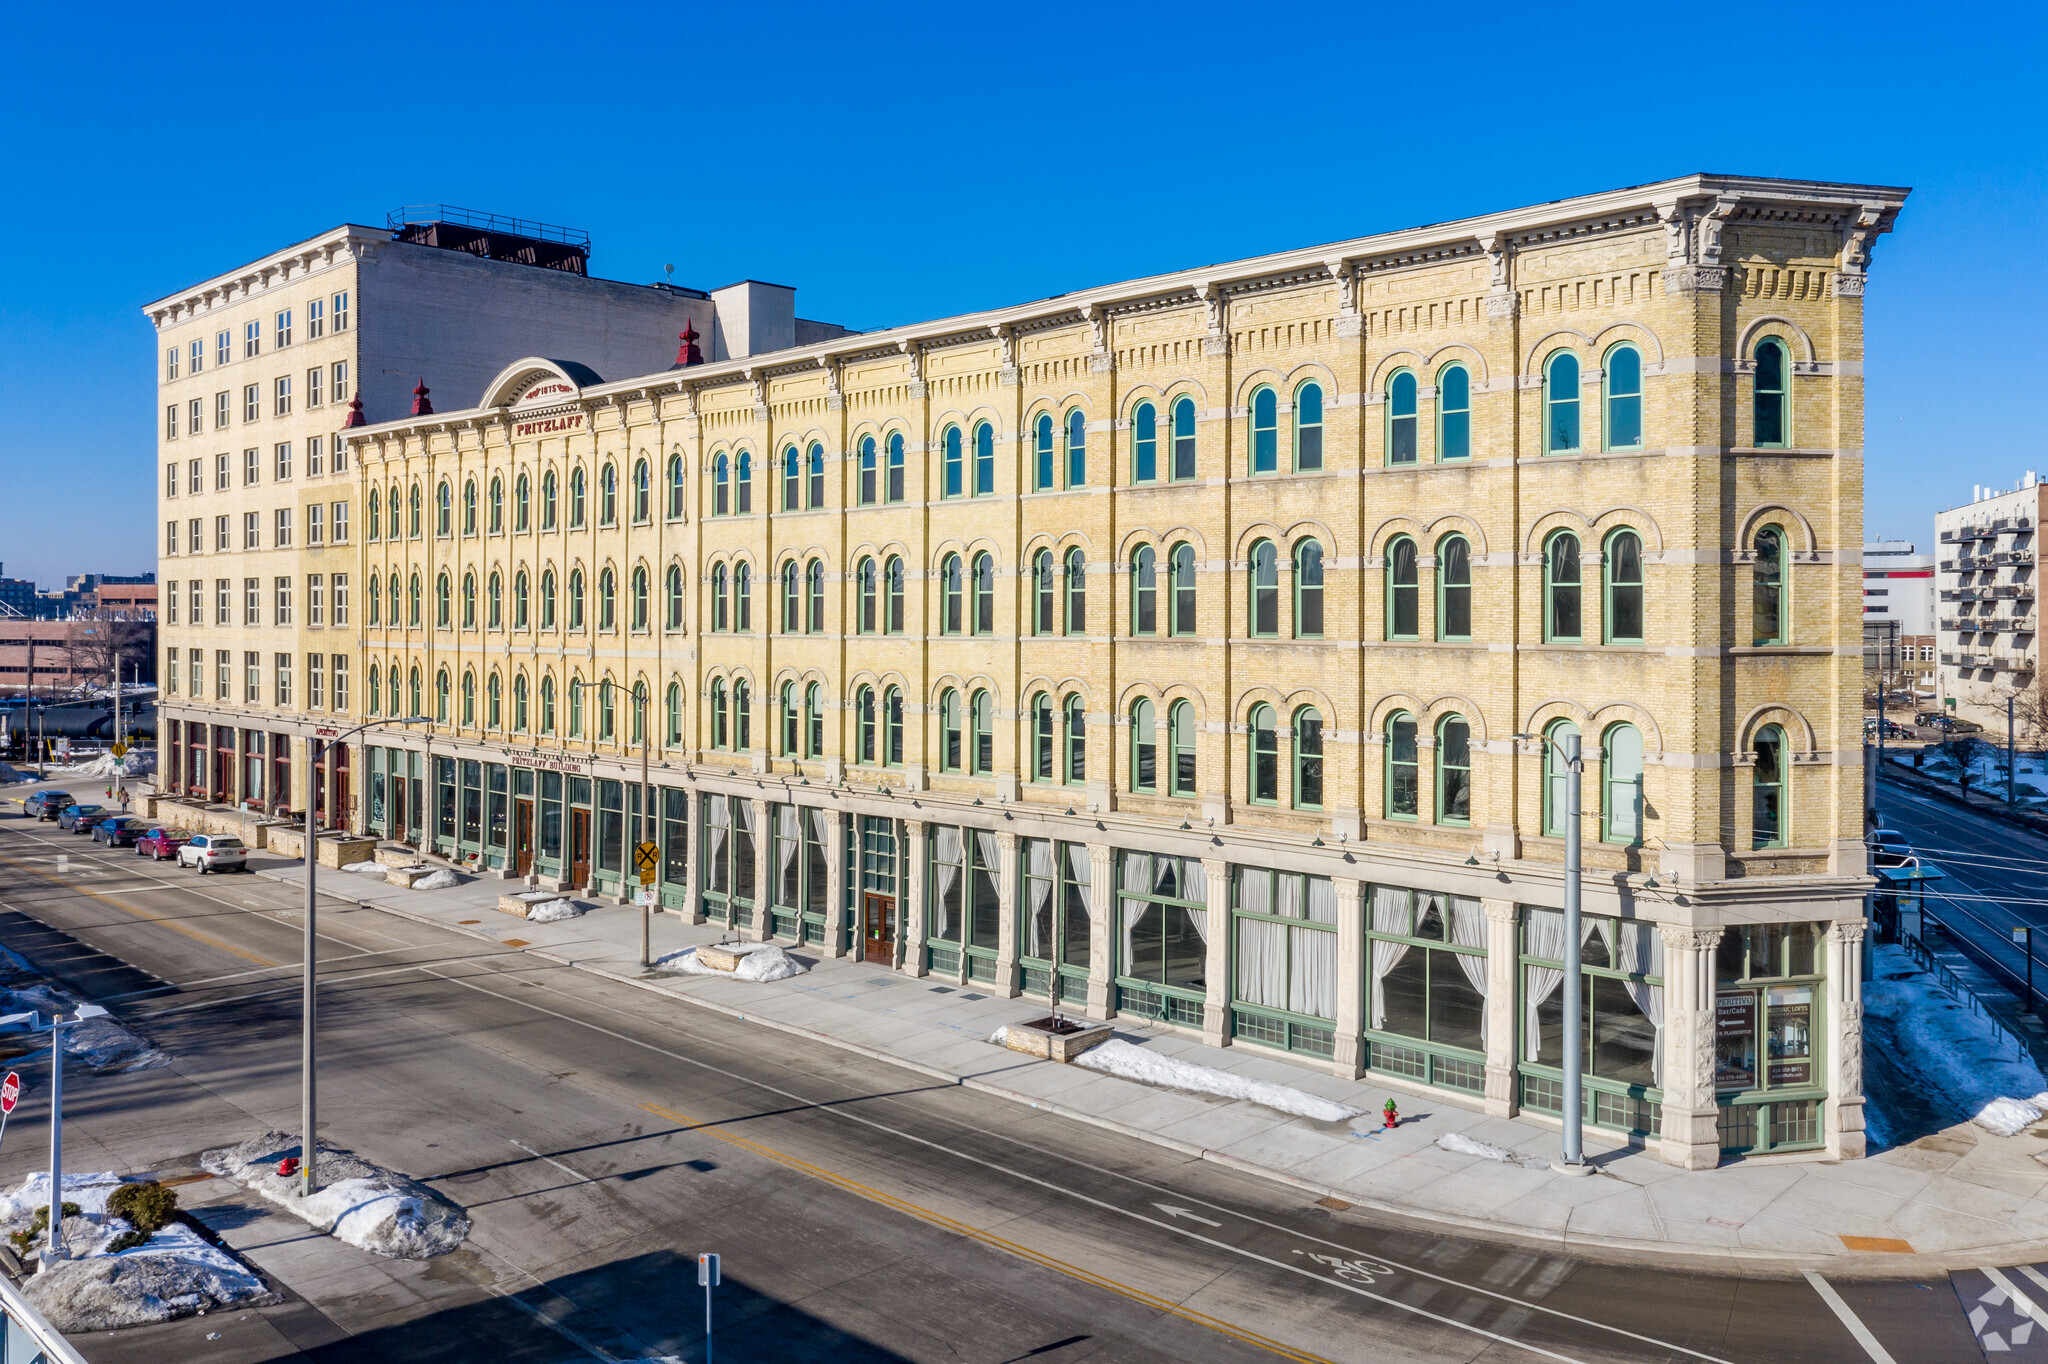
1690	937
1500	911
1847	931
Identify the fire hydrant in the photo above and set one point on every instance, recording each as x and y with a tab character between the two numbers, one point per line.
1392	1115
288	1167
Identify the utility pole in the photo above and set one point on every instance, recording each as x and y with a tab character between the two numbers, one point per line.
117	696
1574	1158
40	742
640	815
2009	770
309	1143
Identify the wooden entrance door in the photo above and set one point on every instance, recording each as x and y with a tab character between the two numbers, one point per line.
877	931
522	837
579	847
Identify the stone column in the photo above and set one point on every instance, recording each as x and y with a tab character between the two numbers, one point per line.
1010	895
764	871
1104	941
835	882
1844	987
1216	1004
1351	1003
910	912
1691	1137
1503	972
693	874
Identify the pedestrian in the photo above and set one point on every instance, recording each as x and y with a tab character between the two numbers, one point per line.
124	800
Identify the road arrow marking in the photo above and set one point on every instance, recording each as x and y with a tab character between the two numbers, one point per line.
1172	1211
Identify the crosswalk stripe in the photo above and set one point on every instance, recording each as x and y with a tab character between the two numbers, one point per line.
1849	1319
2021	1300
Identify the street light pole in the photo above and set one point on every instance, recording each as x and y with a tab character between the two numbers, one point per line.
1574	1009
640	815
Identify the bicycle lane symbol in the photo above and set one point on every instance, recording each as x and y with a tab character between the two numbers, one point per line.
1350	1271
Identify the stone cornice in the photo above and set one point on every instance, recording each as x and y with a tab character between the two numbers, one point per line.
279	267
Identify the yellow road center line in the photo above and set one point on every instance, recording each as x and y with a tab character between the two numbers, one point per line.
158	919
946	1223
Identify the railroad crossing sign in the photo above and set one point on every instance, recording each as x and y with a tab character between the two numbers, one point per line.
647	861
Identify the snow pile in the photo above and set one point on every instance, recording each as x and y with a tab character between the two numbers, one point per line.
1120	1058
439	880
370	868
1959	1055
173	1274
553	911
760	965
1459	1144
138	764
8	776
363	1204
1000	1037
102	1045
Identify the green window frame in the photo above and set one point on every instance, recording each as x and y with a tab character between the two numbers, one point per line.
952	594
1621	785
1163	928
1561	435
1404	768
892	727
1621	578
1308	427
1181	617
721	491
1077	452
949	731
864	725
1453	413
1284	969
1454	588
798	900
1403	440
1076	717
792	744
1770	1070
1055	942
893	488
719	714
1767	587
1044	594
868	484
1563	602
982	733
1265	431
984	621
1554	777
1404	589
1044	737
1144	747
984	460
1145	591
1622	378
1425	1015
1769	408
1308	590
1453	770
1262	743
1044	479
1183	439
1770	818
1621	995
1263	580
1181	755
1144	443
955	477
1308	759
725	843
1077	592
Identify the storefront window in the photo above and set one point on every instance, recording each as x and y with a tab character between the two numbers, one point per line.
1163	915
965	908
444	798
496	801
797	897
472	804
1621	1022
1056	919
611	828
551	816
1767	1020
675	837
728	847
1286	951
1426	972
377	790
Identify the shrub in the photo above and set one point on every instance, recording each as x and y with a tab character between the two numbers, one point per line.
146	1205
25	1240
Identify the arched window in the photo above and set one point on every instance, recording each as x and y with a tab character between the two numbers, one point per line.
577	700
1561	404
674	713
742	717
789	726
1308	758
674	614
468	507
814	721
1624	381
721	598
984	460
1767	577
1144	592
375	695
951	592
1453	588
1044	594
1265	589
1308	590
1453	770
608	496
1044	478
376	518
1182	620
442	509
1556	771
1077	450
469	601
742	597
442	603
1180	739
1308	427
1145	444
1077	740
607	593
522	504
864	577
496	523
547	500
468	698
578	489
547	599
575	599
867	471
896	467
984	594
792	598
955	477
864	724
640	595
494	703
981	720
949	730
817	478
1401	418
441	696
413	693
1265	431
792	479
1263	738
743	495
1183	439
718	713
675	492
643	493
1453	413
521	698
892	585
1144	747
1561	614
1044	738
721	485
412	508
1077	593
494	601
412	604
1403	767
547	705
376	599
892	727
1768	816
1767	402
1404	589
1621	770
1622	607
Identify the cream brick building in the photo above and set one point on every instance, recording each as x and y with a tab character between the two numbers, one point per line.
1987	642
1194	647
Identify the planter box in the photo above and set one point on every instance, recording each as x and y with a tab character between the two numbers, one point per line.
396	855
726	956
405	876
522	902
343	850
1037	1038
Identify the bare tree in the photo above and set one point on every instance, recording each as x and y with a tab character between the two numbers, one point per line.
2030	713
102	636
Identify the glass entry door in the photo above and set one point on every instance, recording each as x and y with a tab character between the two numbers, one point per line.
878	929
579	847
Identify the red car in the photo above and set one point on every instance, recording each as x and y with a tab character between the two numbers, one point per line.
161	842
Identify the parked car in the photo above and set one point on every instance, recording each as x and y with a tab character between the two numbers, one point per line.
47	805
1930	717
1892	729
159	843
119	831
77	819
214	852
1889	847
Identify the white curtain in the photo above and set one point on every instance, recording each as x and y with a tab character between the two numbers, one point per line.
1137	877
1641	953
1313	980
1254	890
1322	900
718	817
1290	897
1546	939
946	877
1262	963
788	838
1194	888
1389	915
1038	916
1468	929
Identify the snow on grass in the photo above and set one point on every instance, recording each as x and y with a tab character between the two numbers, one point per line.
553	911
102	1045
361	1203
1958	1054
440	880
1120	1058
175	1273
763	964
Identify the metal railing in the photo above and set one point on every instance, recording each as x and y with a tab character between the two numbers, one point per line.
2019	979
488	222
27	1338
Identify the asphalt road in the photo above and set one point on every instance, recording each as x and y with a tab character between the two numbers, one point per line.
601	1136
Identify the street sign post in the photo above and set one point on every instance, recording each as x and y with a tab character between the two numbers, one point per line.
707	1278
648	896
120	750
647	861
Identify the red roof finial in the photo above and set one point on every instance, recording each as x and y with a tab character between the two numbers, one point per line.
355	413
688	353
420	406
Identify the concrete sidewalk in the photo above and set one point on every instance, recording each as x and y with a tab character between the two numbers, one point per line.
1958	1198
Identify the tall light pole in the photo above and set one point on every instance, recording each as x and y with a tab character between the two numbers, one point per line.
309	1184
1574	1009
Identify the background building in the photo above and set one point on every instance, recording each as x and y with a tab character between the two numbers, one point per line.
1988	646
1899	617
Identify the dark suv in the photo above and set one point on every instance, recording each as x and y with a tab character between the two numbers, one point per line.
47	805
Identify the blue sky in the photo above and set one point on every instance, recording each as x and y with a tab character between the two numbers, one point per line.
903	162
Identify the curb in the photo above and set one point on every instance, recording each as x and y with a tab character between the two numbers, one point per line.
1922	784
1594	1247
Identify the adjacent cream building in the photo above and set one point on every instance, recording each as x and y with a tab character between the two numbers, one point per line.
1988	643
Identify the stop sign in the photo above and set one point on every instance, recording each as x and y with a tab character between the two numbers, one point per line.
10	1091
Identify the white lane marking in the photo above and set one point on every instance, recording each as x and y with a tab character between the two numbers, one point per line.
294	988
1848	1318
1172	1211
576	1175
2021	1300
